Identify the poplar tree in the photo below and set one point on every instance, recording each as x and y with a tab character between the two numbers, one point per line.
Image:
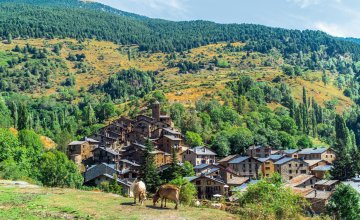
343	165
148	171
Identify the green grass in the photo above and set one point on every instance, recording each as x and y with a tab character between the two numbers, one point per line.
45	203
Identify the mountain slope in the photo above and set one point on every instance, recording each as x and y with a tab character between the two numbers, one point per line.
44	19
76	4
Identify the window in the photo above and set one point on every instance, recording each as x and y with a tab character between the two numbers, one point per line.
290	171
290	165
290	177
208	182
198	182
303	171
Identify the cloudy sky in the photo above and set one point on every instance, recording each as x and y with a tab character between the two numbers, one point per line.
337	17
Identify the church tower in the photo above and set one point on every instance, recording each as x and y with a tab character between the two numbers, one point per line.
156	111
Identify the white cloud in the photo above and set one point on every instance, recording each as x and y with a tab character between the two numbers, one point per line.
332	29
307	3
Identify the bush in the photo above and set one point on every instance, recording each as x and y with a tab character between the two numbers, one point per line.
187	190
269	199
111	187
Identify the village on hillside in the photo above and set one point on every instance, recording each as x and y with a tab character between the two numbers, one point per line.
118	148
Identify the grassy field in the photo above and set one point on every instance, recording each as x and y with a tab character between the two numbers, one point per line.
46	203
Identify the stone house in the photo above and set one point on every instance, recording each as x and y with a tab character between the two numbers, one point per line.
135	153
289	168
268	164
207	187
320	171
303	181
99	173
105	155
225	161
290	153
318	200
258	151
79	151
199	155
246	166
326	154
326	185
315	163
167	143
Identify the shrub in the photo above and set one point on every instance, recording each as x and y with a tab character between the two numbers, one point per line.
187	190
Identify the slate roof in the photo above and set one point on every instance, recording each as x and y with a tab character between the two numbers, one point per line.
139	145
77	143
255	147
107	149
326	182
118	180
313	151
275	157
171	131
300	179
91	140
325	195
312	162
203	151
171	137
262	159
290	151
238	160
283	160
354	184
323	168
244	186
201	166
129	162
226	159
98	170
212	170
192	178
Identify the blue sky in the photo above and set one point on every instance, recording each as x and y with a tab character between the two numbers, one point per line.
336	17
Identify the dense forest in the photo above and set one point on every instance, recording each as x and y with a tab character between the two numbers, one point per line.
57	19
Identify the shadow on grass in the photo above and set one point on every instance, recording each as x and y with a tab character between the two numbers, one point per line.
158	207
129	203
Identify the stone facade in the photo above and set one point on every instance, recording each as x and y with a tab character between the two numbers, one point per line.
289	168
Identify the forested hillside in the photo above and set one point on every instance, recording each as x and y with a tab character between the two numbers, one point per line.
68	67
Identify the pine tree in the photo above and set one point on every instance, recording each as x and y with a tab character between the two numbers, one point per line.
148	171
174	171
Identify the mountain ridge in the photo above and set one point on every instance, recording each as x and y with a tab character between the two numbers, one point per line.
39	18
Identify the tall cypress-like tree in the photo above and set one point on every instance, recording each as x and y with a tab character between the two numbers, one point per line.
148	171
90	116
343	165
305	113
23	117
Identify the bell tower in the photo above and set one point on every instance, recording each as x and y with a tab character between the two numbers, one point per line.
156	110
